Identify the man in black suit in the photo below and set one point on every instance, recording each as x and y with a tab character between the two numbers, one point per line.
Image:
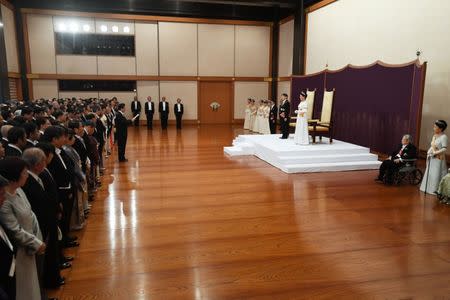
397	160
17	141
33	134
62	172
149	109
7	256
79	144
163	112
273	117
285	111
53	257
122	124
136	110
178	109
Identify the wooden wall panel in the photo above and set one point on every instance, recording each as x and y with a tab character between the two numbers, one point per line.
42	44
178	49
116	65
286	49
146	40
46	89
76	64
215	50
252	50
9	29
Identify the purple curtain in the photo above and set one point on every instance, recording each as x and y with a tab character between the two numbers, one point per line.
303	83
373	106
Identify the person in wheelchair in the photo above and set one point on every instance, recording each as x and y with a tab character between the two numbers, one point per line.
406	151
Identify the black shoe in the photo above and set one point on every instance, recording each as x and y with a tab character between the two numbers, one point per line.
68	258
65	265
71	244
71	238
123	160
62	281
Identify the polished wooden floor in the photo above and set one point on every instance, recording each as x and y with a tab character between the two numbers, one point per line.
181	220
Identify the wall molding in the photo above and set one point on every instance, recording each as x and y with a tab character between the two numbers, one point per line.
285	20
131	17
142	77
319	5
8	4
13	75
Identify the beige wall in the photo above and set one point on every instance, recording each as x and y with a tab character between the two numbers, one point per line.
286	49
145	89
146	40
252	48
9	29
244	90
361	32
76	64
215	50
46	89
186	90
42	44
177	49
284	87
116	65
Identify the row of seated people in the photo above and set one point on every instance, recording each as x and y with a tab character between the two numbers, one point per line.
51	161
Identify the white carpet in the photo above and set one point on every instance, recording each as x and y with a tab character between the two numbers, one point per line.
292	158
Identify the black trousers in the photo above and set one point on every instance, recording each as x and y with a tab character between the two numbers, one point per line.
121	145
136	121
178	117
67	200
52	273
8	288
164	122
149	121
388	168
273	127
284	128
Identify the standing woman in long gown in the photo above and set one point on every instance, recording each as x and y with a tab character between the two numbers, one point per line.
253	112
436	163
301	136
247	114
266	117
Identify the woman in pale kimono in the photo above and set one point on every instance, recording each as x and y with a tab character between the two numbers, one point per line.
22	227
301	136
248	112
436	163
253	112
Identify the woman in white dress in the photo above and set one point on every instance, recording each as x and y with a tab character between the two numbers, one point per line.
253	112
436	163
301	136
258	122
266	127
247	114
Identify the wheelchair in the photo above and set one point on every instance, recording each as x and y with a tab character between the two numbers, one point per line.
443	193
408	173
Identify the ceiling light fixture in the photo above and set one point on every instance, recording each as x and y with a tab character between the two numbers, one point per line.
74	27
115	28
126	29
103	28
86	27
62	27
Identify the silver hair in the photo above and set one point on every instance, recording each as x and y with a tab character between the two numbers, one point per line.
4	130
408	137
33	156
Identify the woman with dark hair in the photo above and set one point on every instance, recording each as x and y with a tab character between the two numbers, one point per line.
436	163
21	224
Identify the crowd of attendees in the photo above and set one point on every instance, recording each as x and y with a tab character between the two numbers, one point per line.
51	160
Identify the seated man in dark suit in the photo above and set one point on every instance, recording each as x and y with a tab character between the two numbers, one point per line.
397	160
